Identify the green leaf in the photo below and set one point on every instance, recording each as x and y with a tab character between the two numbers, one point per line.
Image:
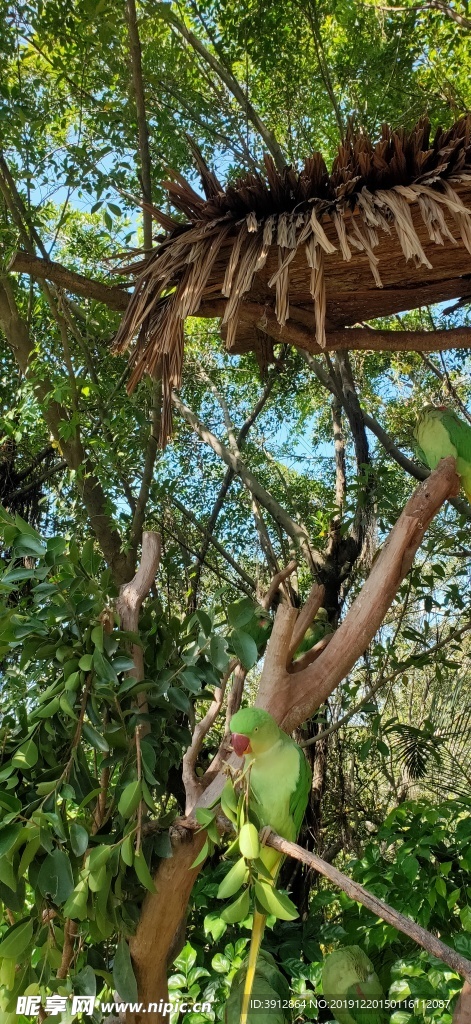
103	667
16	940
245	648
55	876
465	917
123	664
179	699
97	638
97	879
204	816
28	855
249	843
95	739
163	846
218	653
275	902
26	756
8	836
7	875
99	856
123	974
238	910
76	904
201	856
234	880
127	850
142	871
214	925
410	866
130	799
27	546
78	839
86	662
440	886
229	802
240	612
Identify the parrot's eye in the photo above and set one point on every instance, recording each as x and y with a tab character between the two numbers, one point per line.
256	728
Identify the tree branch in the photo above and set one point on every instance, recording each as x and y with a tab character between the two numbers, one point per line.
255	488
377	907
229	475
165	12
55	468
142	126
362	339
148	471
193	785
47	270
130	600
293	704
215	543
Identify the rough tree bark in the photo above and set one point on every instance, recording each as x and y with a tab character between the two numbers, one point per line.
462	1014
131	597
291	697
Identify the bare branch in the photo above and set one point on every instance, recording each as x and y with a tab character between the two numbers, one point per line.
149	464
131	597
316	682
229	476
57	467
275	584
193	785
306	615
255	488
47	270
165	12
378	907
215	543
142	126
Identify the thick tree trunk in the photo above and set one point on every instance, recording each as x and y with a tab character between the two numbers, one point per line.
161	932
462	1014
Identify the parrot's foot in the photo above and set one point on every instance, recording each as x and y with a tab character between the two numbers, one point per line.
265	834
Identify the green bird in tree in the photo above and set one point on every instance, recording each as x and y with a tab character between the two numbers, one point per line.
352	987
280	783
440	433
319	628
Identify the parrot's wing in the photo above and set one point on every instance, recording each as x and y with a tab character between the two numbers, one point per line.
460	434
420	454
300	795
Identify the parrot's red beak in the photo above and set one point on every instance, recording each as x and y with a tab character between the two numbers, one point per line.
240	743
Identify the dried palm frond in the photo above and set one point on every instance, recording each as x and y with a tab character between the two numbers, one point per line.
228	233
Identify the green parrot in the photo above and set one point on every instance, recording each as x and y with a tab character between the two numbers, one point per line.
270	987
319	628
280	783
347	975
439	433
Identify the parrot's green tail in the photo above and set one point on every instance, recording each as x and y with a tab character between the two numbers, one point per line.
258	929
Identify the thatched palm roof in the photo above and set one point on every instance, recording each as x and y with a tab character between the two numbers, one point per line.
307	245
